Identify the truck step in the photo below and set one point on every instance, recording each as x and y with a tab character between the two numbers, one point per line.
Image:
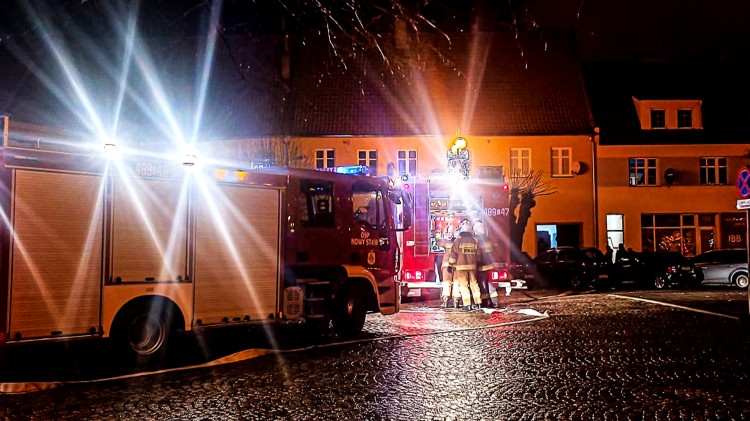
312	282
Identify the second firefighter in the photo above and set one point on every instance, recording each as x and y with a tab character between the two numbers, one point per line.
464	255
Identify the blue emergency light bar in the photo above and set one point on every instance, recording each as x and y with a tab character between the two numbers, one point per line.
353	169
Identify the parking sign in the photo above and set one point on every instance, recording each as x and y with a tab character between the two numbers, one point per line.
743	182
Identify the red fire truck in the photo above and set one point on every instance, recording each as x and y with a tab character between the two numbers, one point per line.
134	247
441	203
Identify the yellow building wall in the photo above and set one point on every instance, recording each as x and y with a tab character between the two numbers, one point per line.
684	196
573	202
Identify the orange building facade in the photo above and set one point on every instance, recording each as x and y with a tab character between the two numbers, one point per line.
566	217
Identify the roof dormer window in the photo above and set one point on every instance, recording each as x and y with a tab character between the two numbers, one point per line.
658	119
685	119
669	114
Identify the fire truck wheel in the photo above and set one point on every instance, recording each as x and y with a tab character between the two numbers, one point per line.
349	311
143	333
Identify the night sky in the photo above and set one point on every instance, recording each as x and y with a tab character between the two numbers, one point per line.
605	29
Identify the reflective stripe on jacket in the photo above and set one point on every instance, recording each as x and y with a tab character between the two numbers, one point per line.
465	252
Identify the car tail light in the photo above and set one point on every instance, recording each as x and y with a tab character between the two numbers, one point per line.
499	275
672	269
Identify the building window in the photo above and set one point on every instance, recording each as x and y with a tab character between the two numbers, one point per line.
369	158
676	232
615	230
561	160
520	161
713	170
658	119
642	171
324	158
685	119
407	162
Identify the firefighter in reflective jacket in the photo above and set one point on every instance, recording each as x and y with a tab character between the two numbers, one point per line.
463	258
485	264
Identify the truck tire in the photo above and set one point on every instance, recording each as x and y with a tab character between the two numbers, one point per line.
142	334
349	311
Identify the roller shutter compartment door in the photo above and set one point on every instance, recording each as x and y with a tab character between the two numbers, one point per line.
149	238
56	254
237	254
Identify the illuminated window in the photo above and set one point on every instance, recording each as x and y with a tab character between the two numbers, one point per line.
520	161
658	119
325	158
642	171
561	160
713	170
677	233
685	119
368	157
615	230
407	162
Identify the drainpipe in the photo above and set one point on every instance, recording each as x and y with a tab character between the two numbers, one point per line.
5	128
594	139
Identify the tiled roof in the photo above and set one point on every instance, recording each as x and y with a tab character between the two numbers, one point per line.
494	84
721	85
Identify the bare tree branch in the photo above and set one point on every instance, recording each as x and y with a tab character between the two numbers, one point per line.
531	183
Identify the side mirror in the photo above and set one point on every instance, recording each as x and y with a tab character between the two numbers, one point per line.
403	219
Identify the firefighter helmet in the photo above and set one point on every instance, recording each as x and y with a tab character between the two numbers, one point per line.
479	228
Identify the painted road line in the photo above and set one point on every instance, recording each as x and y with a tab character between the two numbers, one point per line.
697	310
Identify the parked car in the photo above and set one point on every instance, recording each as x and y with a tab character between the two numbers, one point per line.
521	266
723	267
653	270
571	267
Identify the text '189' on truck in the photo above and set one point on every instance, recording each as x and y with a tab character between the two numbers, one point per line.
136	248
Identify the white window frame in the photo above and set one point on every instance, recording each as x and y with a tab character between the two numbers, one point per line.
692	118
323	160
370	159
407	161
520	161
713	164
562	161
651	117
632	182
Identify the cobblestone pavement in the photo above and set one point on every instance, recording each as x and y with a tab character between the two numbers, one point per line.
597	356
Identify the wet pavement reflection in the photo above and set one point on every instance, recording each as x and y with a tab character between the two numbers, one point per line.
588	356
